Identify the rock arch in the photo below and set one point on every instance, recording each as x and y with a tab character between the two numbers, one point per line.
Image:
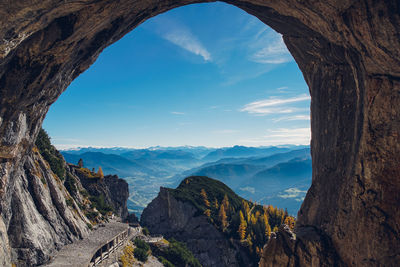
349	53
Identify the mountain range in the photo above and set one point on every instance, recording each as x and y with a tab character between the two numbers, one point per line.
268	175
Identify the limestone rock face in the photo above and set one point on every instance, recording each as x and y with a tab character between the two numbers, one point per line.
38	220
349	53
170	217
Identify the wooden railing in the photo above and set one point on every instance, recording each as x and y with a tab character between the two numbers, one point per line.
108	248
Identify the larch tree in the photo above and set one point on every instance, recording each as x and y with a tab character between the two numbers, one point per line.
100	172
207	212
242	226
267	229
216	205
225	203
223	217
290	221
205	199
246	210
253	219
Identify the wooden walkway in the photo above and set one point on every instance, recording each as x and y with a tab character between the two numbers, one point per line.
93	249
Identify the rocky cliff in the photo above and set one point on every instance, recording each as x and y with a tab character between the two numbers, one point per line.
349	53
180	220
113	191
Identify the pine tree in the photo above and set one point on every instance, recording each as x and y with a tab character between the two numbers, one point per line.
80	163
205	199
100	173
242	226
223	217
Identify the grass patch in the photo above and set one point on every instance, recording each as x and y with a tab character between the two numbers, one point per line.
127	258
88	173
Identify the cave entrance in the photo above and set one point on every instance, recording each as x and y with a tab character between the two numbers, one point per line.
185	80
348	53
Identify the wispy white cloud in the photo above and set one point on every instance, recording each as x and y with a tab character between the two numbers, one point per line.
177	113
299	136
213	107
273	105
249	189
283	88
179	34
293	118
64	139
245	75
295	136
295	193
273	50
184	38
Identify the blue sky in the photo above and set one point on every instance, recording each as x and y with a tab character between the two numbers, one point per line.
203	74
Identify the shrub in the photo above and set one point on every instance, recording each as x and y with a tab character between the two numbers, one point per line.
90	226
84	193
165	262
69	202
50	154
91	215
70	185
178	254
141	244
141	254
100	204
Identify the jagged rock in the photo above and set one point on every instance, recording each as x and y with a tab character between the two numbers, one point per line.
287	249
114	190
348	51
172	218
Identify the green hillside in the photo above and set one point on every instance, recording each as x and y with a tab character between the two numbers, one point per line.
189	190
246	222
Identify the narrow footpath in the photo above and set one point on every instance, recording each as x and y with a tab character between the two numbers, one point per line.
93	249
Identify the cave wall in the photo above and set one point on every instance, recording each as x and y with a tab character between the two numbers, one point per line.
349	53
